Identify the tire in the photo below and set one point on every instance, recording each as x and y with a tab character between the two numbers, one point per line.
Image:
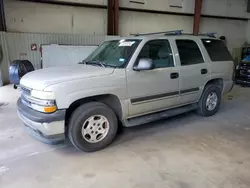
203	108
80	123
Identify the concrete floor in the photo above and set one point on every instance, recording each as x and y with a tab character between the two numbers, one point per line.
187	151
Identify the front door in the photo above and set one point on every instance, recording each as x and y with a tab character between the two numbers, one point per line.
157	89
194	71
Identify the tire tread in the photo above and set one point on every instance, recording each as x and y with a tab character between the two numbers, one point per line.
85	108
201	108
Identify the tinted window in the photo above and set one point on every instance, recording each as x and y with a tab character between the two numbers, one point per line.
217	50
189	52
159	51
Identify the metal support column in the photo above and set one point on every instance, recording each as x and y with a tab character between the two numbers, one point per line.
110	23
116	17
113	17
197	16
2	17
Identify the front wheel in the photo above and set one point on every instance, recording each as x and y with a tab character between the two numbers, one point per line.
92	126
210	101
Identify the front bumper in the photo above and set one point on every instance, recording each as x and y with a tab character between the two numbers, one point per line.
48	128
242	81
242	78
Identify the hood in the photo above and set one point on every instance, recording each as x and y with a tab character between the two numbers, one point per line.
40	79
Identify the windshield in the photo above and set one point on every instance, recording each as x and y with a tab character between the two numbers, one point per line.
114	53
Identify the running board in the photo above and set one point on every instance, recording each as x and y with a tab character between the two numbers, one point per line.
158	115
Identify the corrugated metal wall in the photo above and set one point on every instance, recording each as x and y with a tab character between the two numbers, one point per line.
18	46
4	66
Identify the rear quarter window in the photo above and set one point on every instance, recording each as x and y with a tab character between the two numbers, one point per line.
189	52
217	50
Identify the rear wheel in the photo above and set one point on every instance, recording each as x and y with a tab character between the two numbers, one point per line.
92	126
210	101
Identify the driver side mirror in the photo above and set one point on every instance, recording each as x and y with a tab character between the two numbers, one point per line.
144	64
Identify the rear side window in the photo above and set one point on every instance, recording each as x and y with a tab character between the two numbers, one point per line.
189	52
217	50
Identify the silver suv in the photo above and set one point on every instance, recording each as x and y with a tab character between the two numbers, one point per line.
129	81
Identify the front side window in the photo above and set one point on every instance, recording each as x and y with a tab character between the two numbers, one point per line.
217	50
159	51
189	52
115	53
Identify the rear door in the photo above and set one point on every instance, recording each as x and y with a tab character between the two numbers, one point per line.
194	71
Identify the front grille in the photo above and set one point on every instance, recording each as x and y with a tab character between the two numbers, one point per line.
25	101
25	90
244	72
244	66
25	94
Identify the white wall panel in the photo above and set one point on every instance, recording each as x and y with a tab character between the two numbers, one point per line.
160	5
46	18
234	8
89	21
96	2
136	22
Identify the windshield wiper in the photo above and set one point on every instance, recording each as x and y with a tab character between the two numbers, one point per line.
95	63
83	62
109	65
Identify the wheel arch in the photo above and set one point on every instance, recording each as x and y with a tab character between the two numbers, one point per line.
110	100
215	81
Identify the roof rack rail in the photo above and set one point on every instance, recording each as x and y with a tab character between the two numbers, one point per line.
174	32
211	34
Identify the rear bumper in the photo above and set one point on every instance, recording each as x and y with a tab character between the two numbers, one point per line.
48	128
228	86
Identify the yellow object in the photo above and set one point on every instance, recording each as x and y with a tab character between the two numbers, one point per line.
50	109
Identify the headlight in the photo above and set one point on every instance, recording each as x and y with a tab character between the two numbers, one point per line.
42	95
46	109
40	100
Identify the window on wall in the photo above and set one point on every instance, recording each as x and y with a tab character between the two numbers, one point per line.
176	3
159	51
217	50
189	52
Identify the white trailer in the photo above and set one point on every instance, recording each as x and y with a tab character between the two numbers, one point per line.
55	55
